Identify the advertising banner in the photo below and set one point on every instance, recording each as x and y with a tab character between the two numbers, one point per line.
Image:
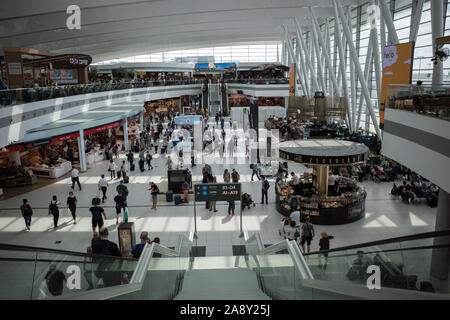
292	80
397	69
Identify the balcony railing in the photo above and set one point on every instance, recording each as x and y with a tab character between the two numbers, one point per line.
433	101
13	97
259	81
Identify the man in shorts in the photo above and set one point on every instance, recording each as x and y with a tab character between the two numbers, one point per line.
97	212
120	203
307	234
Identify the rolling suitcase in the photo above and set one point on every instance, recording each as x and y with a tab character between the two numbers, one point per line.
177	200
132	167
169	196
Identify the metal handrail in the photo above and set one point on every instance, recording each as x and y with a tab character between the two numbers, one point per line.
137	279
345	289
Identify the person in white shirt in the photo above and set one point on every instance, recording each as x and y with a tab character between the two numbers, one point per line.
103	186
75	178
331	183
295	216
294	179
112	169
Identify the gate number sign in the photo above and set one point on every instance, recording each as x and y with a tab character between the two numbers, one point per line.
217	191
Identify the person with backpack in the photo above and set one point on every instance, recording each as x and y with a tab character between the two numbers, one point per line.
27	212
72	205
307	234
122	189
97	213
120	203
138	248
235	176
255	170
148	159
265	189
154	192
54	210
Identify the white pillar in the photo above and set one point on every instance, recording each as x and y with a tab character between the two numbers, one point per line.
365	91
437	26
125	134
385	12
82	152
141	121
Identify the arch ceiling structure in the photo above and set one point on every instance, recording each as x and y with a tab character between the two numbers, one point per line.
118	28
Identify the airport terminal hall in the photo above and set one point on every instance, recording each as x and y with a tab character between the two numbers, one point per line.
240	150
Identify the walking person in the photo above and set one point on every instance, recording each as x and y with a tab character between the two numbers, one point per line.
265	189
120	203
112	169
155	145
148	159
122	189
27	212
154	192
307	234
324	244
72	205
180	158
130	158
103	186
54	210
169	163
97	213
123	170
255	170
75	178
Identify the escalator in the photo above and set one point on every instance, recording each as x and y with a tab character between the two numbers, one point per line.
278	272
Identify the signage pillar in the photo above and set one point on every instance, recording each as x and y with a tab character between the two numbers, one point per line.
82	152
125	134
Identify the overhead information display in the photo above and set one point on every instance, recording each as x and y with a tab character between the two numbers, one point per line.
217	191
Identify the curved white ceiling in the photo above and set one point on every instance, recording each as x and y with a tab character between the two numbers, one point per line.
113	28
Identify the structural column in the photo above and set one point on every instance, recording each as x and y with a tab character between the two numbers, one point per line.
321	173
437	29
125	134
15	156
82	152
440	260
141	121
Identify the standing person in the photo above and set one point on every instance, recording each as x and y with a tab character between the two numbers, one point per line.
55	280
235	176
148	159
136	251
324	244
75	178
180	158
130	158
120	203
217	119
54	210
295	216
154	192
169	163
27	212
226	176
265	189
123	170
185	187
307	234
212	206
231	123
103	186
112	168
72	205
222	123
97	213
231	207
155	144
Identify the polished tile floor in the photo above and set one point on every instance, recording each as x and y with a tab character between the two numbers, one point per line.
385	217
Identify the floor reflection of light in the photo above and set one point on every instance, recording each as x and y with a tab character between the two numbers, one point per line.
379	222
416	221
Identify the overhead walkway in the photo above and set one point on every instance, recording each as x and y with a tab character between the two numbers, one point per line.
278	272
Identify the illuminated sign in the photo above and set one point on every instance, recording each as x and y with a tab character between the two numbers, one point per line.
217	191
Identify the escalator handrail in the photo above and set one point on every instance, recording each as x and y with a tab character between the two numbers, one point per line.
12	247
137	279
433	234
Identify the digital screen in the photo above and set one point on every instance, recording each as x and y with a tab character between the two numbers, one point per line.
211	66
